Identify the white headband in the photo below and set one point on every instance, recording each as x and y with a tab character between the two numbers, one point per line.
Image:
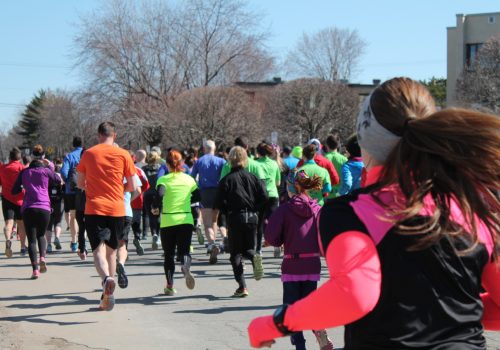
373	137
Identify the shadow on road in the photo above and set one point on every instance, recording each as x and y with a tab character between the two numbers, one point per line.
221	310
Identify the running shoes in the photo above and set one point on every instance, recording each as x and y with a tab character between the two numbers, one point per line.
43	265
138	247
23	251
170	291
83	254
154	246
49	248
35	274
8	249
74	247
213	254
122	276
57	243
324	342
107	298
240	293
190	282
258	269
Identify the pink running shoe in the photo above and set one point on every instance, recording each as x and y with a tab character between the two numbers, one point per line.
35	275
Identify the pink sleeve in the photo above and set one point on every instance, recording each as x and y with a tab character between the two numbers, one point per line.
351	292
491	299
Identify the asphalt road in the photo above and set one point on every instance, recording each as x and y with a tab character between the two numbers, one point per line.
59	310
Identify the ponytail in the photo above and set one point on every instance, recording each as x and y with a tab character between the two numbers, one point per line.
175	161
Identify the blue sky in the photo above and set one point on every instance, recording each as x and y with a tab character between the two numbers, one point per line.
405	37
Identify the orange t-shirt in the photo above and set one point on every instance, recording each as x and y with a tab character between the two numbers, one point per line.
105	167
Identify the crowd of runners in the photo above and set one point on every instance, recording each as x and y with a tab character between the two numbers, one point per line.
406	213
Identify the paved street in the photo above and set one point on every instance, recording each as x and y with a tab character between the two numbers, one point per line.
59	310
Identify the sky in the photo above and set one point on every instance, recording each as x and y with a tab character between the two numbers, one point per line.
404	37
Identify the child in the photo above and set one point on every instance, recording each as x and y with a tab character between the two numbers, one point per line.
294	225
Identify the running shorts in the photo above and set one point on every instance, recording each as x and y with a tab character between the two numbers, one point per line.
208	197
10	210
69	202
107	229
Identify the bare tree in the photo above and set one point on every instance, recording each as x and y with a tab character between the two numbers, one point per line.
330	54
307	108
216	113
479	83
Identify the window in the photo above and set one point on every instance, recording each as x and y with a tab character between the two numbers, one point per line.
471	52
491	19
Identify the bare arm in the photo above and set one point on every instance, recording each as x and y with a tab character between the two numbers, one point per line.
81	181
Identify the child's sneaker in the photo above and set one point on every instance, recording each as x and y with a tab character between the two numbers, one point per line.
324	342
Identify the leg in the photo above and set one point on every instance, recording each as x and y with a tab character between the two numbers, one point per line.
184	235
21	232
236	246
206	215
7	230
80	218
168	241
291	294
30	225
73	228
43	222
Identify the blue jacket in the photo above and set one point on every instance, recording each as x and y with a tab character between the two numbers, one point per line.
69	164
351	175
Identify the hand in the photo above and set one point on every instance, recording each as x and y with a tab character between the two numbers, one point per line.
262	332
155	211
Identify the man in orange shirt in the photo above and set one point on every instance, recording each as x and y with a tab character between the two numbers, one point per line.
11	204
101	172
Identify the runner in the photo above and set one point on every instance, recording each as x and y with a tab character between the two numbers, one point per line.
322	162
56	194
137	206
272	180
208	170
413	256
337	159
68	169
290	160
80	218
11	204
312	169
176	191
153	161
240	196
36	181
101	171
353	168
140	215
294	225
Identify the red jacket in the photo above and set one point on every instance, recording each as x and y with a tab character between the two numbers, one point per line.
139	201
8	176
324	163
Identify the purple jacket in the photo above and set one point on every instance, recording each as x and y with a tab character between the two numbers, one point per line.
36	180
293	224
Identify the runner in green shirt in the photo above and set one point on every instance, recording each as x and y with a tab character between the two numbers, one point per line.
253	166
177	191
312	169
337	159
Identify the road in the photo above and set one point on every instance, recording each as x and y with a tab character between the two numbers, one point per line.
59	310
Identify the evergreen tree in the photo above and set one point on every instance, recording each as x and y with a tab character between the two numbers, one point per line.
30	123
437	88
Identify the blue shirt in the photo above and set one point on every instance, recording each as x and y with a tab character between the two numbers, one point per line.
164	171
291	162
351	175
208	169
69	164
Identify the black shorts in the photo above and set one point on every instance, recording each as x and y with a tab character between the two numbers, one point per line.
208	197
107	229
10	210
69	202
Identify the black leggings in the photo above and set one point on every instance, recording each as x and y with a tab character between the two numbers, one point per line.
265	213
80	219
154	220
35	223
241	237
173	237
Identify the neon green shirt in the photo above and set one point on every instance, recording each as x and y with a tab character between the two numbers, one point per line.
337	160
312	169
176	202
253	167
272	175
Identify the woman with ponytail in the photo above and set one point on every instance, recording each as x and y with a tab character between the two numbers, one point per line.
294	225
412	256
175	193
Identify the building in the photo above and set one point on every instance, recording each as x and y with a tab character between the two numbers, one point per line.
464	41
